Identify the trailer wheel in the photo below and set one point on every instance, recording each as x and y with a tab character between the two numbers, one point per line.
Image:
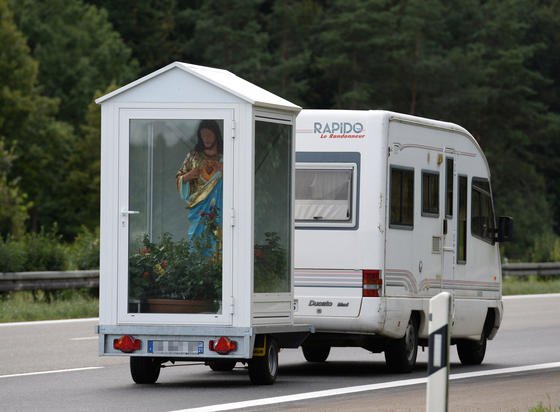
221	365
471	352
144	369
264	369
400	354
316	353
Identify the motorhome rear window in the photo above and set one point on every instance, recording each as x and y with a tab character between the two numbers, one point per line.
482	213
402	198
324	194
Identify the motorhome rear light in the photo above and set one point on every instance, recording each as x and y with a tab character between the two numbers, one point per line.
372	282
127	344
223	346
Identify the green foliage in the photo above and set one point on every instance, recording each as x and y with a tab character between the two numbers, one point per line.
43	251
270	265
77	56
531	285
489	66
83	253
13	204
32	252
26	306
546	248
177	270
12	256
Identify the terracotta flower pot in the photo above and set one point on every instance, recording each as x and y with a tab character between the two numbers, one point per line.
181	306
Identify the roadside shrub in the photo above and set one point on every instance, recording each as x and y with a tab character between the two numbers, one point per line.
12	256
546	248
43	251
84	252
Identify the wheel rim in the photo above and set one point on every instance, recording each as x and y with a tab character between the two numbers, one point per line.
272	360
410	342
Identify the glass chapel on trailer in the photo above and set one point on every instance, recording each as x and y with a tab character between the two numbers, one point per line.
196	211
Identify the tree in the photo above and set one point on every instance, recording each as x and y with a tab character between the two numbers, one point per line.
229	37
38	143
78	51
13	204
148	28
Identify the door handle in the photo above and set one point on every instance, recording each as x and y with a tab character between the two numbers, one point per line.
129	212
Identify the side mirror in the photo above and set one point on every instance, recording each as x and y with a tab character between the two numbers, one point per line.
504	232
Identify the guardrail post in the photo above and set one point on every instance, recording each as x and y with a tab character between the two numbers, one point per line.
438	353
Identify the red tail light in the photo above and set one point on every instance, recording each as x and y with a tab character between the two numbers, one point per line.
223	346
371	284
127	344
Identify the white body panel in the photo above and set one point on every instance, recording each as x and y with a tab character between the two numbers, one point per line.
416	262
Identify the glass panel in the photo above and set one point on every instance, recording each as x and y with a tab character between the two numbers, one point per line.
430	194
175	193
482	214
462	221
449	187
273	200
323	195
402	198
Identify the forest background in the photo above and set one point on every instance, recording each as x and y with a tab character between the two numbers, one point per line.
491	66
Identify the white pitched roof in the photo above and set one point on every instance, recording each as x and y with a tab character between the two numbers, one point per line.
223	79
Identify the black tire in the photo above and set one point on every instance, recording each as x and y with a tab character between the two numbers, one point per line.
221	365
264	369
144	370
316	353
400	354
471	352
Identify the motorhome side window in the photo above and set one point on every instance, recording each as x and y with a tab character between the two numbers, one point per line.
324	194
430	194
402	198
482	214
462	221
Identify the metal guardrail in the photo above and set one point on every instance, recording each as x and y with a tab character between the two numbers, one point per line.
49	280
90	278
526	269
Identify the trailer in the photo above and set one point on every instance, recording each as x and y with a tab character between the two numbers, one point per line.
197	169
390	210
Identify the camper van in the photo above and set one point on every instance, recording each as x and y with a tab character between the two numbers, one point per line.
390	210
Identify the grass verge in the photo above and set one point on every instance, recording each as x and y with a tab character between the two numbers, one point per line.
68	304
530	285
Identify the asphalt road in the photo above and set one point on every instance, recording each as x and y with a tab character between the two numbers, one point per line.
42	367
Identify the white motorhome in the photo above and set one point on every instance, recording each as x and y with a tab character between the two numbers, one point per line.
390	210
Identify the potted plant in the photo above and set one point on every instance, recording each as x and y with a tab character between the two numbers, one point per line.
173	276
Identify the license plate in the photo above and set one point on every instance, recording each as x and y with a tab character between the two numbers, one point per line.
175	347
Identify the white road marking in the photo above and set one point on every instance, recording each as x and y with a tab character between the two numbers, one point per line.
545	295
363	388
48	322
86	338
17	375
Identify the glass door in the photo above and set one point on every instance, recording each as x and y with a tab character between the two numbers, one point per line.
173	190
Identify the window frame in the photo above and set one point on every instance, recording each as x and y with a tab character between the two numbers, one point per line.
400	225
331	224
429	173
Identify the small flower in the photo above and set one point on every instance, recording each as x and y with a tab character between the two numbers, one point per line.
164	264
146	274
146	251
158	269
